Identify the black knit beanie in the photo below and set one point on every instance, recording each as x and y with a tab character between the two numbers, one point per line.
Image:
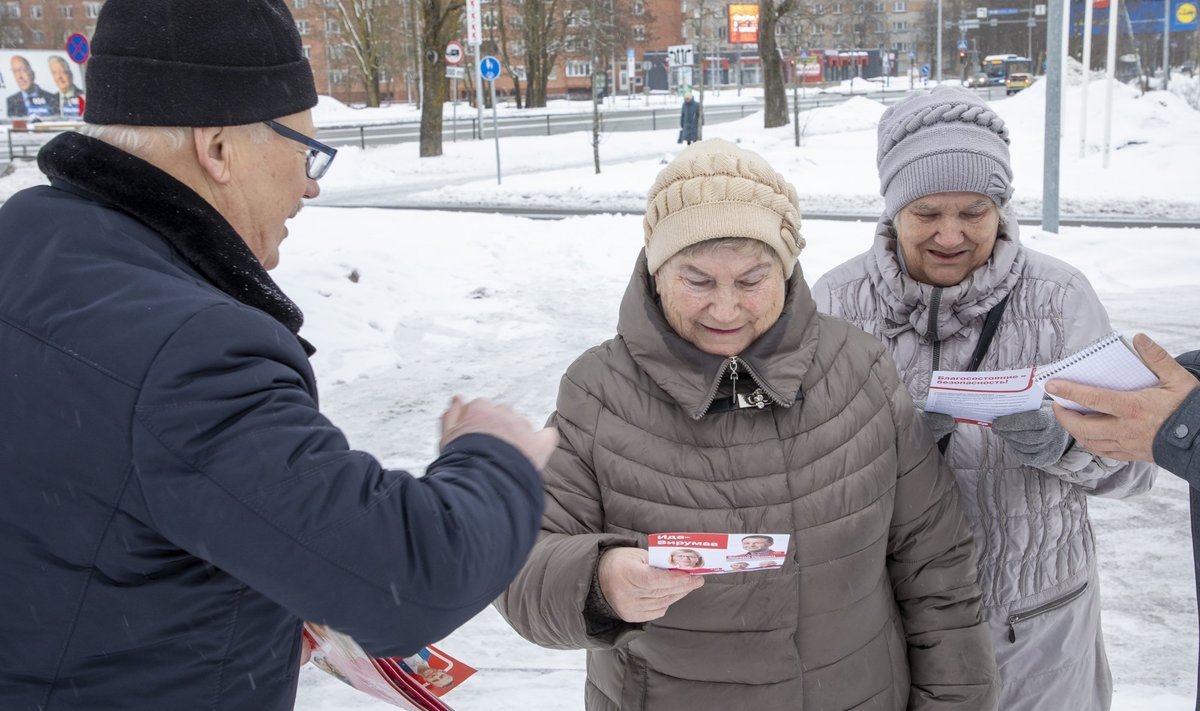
196	63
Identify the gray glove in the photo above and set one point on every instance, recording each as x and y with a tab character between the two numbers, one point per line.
939	423
1035	436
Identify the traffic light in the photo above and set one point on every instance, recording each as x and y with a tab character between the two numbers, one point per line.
962	56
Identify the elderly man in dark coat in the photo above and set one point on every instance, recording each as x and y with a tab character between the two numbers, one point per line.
175	504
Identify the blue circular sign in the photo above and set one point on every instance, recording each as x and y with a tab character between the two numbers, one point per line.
78	49
489	68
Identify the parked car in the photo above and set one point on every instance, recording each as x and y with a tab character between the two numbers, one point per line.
977	79
1016	82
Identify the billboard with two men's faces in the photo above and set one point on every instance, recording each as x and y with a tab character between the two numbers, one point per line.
40	85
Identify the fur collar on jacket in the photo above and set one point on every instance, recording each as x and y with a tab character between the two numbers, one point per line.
184	219
906	300
777	361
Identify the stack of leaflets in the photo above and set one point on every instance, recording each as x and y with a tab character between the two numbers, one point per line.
714	553
415	683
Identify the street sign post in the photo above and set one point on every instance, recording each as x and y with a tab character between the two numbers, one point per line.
473	16
489	68
680	56
454	57
630	58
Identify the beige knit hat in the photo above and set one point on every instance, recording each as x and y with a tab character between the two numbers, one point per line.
714	189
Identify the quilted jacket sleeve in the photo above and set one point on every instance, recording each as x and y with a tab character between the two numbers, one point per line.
1085	321
235	464
932	566
545	604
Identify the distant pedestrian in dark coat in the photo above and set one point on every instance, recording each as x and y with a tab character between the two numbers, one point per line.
174	502
689	120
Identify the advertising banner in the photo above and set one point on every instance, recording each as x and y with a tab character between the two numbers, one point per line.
743	24
40	84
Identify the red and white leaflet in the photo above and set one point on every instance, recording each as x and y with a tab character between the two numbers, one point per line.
979	397
716	553
340	656
414	683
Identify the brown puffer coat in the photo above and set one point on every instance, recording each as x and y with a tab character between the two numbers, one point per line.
876	607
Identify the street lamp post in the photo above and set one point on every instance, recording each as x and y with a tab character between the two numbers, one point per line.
939	42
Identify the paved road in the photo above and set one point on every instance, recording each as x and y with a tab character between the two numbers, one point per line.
553	213
539	124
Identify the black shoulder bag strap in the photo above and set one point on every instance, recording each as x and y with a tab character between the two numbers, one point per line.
985	339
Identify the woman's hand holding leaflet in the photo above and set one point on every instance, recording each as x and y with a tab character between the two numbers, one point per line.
638	592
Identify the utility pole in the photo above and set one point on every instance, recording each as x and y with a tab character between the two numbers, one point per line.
1166	45
1087	76
1113	27
939	43
1054	86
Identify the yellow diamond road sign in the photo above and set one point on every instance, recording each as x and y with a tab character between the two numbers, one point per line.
1185	13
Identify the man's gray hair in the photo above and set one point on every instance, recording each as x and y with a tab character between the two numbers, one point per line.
145	140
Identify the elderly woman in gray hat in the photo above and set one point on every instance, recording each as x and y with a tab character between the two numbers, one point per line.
946	261
727	404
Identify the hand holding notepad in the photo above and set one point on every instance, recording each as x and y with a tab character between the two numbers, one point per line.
1108	363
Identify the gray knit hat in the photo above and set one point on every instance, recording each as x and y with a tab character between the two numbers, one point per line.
938	141
712	190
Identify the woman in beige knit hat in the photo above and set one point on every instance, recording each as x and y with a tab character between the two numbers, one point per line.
727	404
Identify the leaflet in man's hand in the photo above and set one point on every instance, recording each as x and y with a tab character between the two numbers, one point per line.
715	553
414	683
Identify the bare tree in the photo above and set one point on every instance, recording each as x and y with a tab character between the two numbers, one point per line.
369	26
609	26
498	34
440	20
770	14
703	19
543	33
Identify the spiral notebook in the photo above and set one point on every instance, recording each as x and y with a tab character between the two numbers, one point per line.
1108	363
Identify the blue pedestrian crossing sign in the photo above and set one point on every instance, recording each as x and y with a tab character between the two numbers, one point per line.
489	68
962	45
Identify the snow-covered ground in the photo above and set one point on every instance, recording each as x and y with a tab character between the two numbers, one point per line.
487	305
497	306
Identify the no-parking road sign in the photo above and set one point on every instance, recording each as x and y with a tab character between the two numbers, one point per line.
78	49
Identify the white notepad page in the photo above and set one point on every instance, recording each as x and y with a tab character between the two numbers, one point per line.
1108	363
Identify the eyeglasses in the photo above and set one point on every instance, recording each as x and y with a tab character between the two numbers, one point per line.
320	156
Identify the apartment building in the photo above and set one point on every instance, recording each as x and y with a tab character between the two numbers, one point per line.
647	27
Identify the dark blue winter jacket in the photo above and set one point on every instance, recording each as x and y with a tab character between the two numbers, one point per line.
172	502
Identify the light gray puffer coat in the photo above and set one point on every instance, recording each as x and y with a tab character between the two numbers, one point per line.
876	607
1037	565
